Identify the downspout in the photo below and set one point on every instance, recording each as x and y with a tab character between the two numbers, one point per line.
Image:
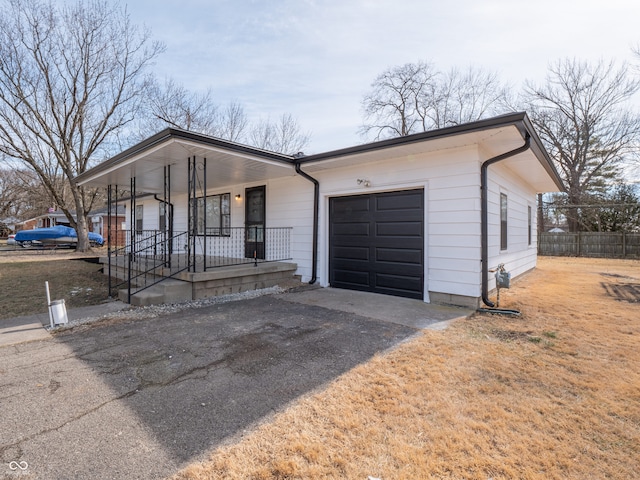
484	186
170	213
316	202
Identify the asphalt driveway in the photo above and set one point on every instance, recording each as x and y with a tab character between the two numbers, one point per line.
143	398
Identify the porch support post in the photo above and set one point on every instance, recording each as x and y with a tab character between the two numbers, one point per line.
165	257
109	237
204	219
116	229
189	213
132	235
170	215
191	202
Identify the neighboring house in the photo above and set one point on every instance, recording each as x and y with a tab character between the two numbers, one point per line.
423	216
99	223
8	226
98	220
50	219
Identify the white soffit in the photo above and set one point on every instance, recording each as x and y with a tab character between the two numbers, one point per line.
527	167
224	167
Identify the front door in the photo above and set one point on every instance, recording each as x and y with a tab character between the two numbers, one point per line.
254	222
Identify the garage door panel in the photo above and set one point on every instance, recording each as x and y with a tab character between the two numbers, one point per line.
350	206
398	201
397	255
386	256
352	229
352	265
351	253
398	283
410	243
350	279
401	269
399	229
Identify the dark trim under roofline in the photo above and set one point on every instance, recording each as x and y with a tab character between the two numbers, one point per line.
520	120
178	134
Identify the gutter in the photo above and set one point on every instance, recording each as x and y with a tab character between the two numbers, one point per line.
316	202
484	186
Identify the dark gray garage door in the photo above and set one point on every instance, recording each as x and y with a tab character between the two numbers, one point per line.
376	243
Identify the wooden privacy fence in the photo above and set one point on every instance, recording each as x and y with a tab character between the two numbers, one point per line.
590	244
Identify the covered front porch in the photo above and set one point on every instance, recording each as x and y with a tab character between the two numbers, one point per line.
197	218
216	266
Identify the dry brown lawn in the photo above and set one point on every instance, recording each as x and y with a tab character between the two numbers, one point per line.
22	277
553	394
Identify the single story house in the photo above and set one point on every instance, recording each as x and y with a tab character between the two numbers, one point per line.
46	220
99	223
424	216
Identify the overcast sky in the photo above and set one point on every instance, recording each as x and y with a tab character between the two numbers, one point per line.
316	59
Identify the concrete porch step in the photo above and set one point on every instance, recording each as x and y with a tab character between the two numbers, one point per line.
169	290
239	278
220	281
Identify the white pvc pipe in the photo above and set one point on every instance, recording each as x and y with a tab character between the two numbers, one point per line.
46	285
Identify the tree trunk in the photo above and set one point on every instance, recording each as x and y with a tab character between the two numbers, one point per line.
82	229
540	214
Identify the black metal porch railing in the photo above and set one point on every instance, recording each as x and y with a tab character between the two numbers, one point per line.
151	256
228	246
145	261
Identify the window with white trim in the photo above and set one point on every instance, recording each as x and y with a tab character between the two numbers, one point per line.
139	219
214	211
503	221
529	225
162	217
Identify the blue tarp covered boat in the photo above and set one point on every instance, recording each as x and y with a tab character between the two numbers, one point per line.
58	235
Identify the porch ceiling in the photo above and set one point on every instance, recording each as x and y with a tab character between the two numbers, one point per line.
225	167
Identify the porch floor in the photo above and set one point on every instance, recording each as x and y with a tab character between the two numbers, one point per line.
178	262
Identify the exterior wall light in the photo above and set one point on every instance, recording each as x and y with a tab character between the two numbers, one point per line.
364	182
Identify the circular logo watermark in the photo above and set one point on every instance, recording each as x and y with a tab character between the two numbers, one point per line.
18	465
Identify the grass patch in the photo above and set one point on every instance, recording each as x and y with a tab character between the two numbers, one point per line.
22	289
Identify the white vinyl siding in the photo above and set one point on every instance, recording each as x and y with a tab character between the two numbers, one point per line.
451	182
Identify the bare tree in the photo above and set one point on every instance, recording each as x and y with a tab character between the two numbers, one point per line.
172	105
71	77
11	195
233	122
416	97
22	195
462	96
283	135
582	116
394	106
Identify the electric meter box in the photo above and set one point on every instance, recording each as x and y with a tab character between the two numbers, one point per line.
503	279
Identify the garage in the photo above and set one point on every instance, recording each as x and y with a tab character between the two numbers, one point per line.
376	243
